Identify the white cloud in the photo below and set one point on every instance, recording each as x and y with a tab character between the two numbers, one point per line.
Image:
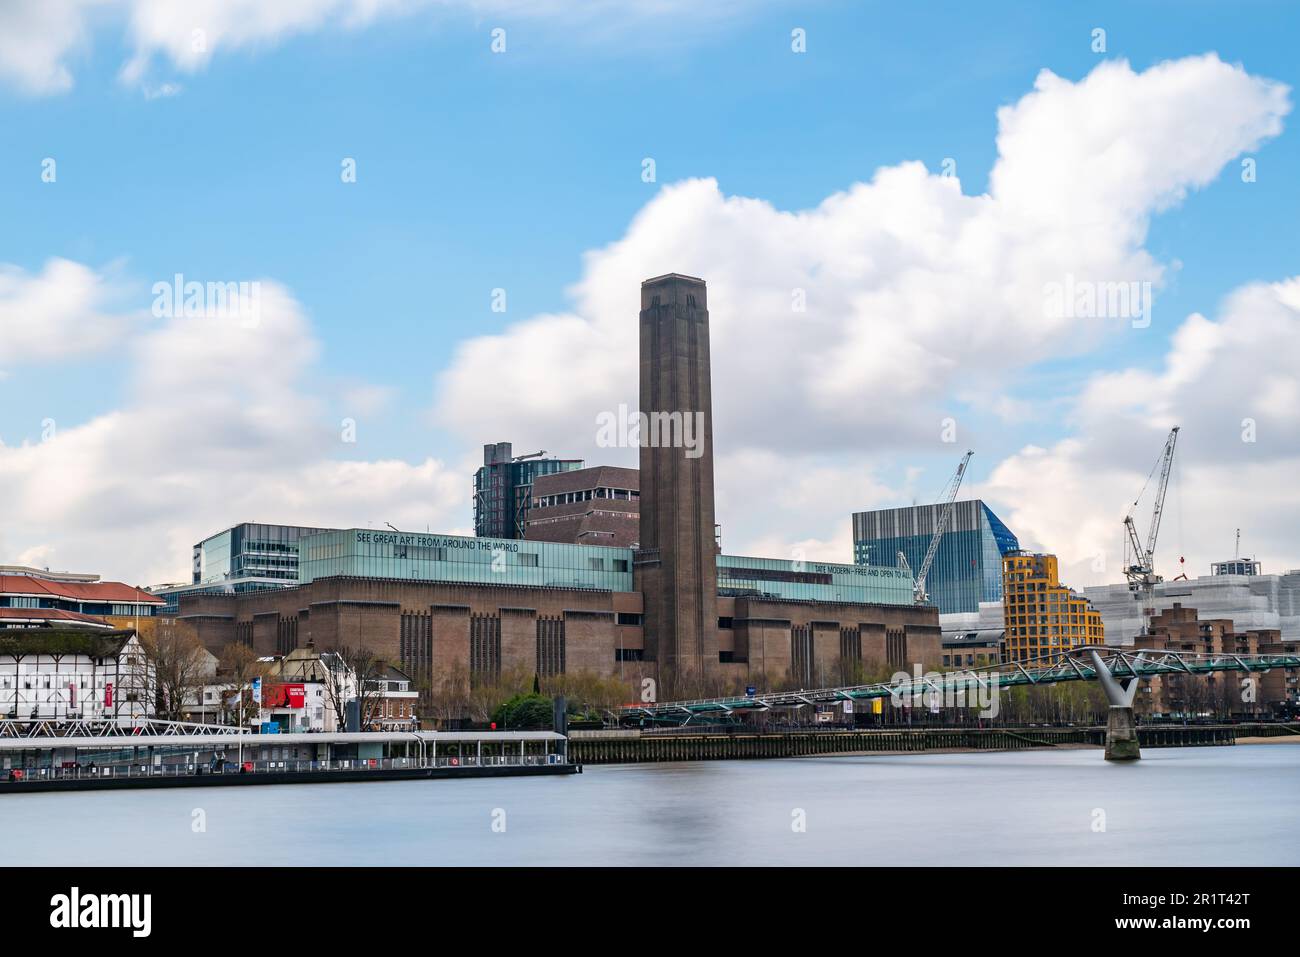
915	292
61	312
37	39
1230	385
219	426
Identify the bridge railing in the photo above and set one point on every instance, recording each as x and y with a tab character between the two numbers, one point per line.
1048	669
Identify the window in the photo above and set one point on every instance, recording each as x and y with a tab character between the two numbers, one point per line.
527	559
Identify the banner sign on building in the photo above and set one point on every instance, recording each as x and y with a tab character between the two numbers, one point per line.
286	696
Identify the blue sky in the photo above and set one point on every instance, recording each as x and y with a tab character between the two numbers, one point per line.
479	170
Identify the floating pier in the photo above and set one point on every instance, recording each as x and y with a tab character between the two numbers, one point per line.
63	763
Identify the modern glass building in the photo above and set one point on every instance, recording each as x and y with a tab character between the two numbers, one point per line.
813	581
268	553
503	489
967	568
247	557
366	553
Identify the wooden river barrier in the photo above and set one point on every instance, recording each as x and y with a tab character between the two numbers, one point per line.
634	746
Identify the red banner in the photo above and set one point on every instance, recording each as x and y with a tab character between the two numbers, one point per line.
285	696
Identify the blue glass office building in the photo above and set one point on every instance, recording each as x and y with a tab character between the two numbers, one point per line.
968	566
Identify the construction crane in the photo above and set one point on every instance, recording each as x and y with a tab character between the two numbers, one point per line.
1139	560
919	594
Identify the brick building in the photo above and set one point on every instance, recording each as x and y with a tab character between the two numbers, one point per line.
595	506
672	609
1220	694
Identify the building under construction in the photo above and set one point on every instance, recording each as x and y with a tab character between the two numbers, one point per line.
1251	601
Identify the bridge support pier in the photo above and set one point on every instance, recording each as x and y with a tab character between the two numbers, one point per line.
1122	735
1121	725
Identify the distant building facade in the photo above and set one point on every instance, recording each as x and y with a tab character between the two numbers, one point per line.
390	701
967	567
671	609
248	557
503	489
593	506
68	674
973	649
32	597
1253	601
1218	694
1043	616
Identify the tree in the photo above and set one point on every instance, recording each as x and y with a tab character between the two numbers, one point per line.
178	667
525	712
239	664
448	693
353	673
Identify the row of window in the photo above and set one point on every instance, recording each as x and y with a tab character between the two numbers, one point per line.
585	495
30	682
955	661
88	608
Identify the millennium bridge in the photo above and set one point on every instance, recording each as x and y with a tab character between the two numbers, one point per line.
1118	670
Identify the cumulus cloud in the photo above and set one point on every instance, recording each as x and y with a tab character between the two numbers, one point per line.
63	311
219	426
1230	384
865	321
37	40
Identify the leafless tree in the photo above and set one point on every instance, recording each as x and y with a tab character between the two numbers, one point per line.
178	667
353	673
238	664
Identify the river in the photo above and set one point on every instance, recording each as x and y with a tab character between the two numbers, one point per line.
1178	806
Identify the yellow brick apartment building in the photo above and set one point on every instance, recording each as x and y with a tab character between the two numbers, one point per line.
1043	616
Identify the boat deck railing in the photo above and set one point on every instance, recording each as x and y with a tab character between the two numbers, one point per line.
176	770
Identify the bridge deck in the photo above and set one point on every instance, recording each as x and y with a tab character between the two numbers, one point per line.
1050	669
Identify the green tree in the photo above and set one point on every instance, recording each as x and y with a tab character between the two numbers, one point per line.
525	712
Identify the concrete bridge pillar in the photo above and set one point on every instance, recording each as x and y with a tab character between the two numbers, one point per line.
1121	725
1122	735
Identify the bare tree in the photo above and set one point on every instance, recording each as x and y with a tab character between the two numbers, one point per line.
449	692
178	667
353	673
239	664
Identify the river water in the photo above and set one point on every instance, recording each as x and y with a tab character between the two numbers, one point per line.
1180	806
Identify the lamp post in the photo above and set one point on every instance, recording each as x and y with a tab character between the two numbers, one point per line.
240	721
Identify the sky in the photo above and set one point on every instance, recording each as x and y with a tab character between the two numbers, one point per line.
910	217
